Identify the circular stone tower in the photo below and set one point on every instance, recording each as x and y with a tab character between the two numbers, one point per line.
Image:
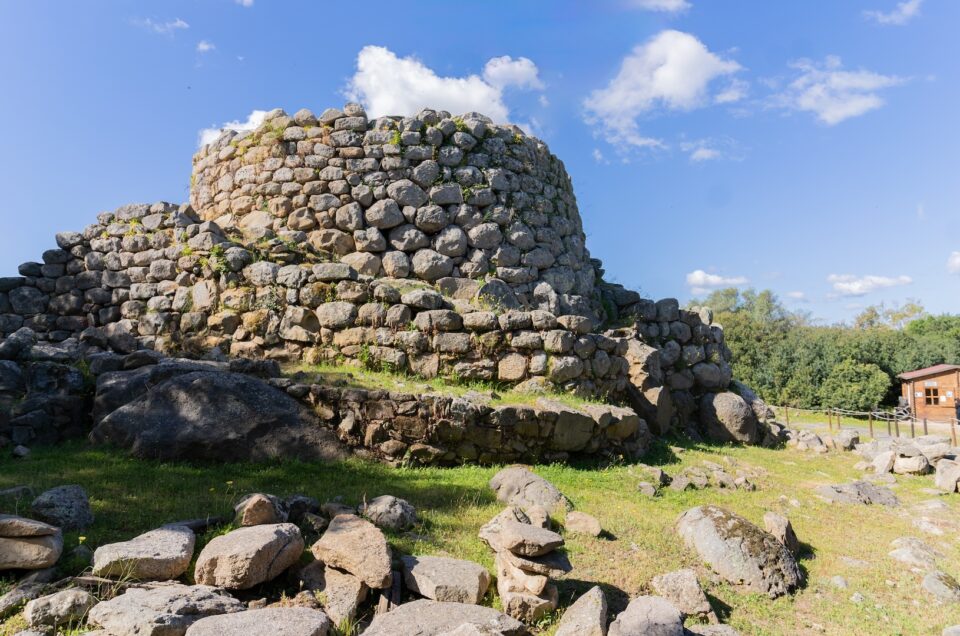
482	206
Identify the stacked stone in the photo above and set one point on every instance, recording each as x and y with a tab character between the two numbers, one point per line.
426	196
26	544
525	560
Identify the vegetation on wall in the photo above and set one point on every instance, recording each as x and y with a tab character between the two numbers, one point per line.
788	359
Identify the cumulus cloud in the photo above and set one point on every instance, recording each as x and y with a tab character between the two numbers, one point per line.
852	285
505	71
163	28
901	14
389	85
665	6
700	282
204	46
834	94
704	154
953	263
208	135
673	70
798	296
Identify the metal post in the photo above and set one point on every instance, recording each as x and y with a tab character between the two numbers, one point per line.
871	423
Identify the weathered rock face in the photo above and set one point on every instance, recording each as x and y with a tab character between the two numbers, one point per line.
245	557
739	551
433	618
858	492
357	546
390	512
158	555
165	610
683	590
66	507
586	617
272	621
339	592
216	416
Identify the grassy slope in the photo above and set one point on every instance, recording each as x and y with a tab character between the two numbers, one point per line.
131	496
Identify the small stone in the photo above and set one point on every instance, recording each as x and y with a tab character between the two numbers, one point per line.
357	546
582	523
446	579
246	557
517	485
271	621
258	509
61	608
782	530
158	555
683	590
648	616
390	513
165	610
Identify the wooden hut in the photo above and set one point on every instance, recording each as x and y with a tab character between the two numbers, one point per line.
932	393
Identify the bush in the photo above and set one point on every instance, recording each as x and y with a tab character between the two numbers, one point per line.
854	385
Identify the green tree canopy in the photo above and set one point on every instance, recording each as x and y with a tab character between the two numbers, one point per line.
853	385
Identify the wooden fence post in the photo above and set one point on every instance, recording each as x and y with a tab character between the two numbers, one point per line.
786	411
912	428
889	432
924	426
897	422
871	423
953	432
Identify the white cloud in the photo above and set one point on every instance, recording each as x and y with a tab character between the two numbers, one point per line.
244	3
700	282
163	28
672	70
544	101
953	263
204	47
505	71
832	93
704	154
798	296
391	85
711	149
901	14
208	135
851	285
598	156
666	6
734	92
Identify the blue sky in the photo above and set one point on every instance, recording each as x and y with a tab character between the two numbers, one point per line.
810	147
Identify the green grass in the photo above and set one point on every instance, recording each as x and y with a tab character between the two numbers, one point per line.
361	378
131	496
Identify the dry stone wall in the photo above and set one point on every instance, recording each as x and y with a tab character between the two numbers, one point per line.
434	244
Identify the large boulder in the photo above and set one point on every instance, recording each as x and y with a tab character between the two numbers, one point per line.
446	579
357	546
648	616
158	555
586	617
164	610
519	486
726	417
340	593
248	556
683	590
739	551
433	618
66	507
270	621
26	544
213	415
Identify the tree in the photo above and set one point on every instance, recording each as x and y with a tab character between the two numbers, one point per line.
853	385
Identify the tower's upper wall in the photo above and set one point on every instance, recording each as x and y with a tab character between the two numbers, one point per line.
426	197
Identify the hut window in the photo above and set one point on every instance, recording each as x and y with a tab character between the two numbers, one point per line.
932	396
